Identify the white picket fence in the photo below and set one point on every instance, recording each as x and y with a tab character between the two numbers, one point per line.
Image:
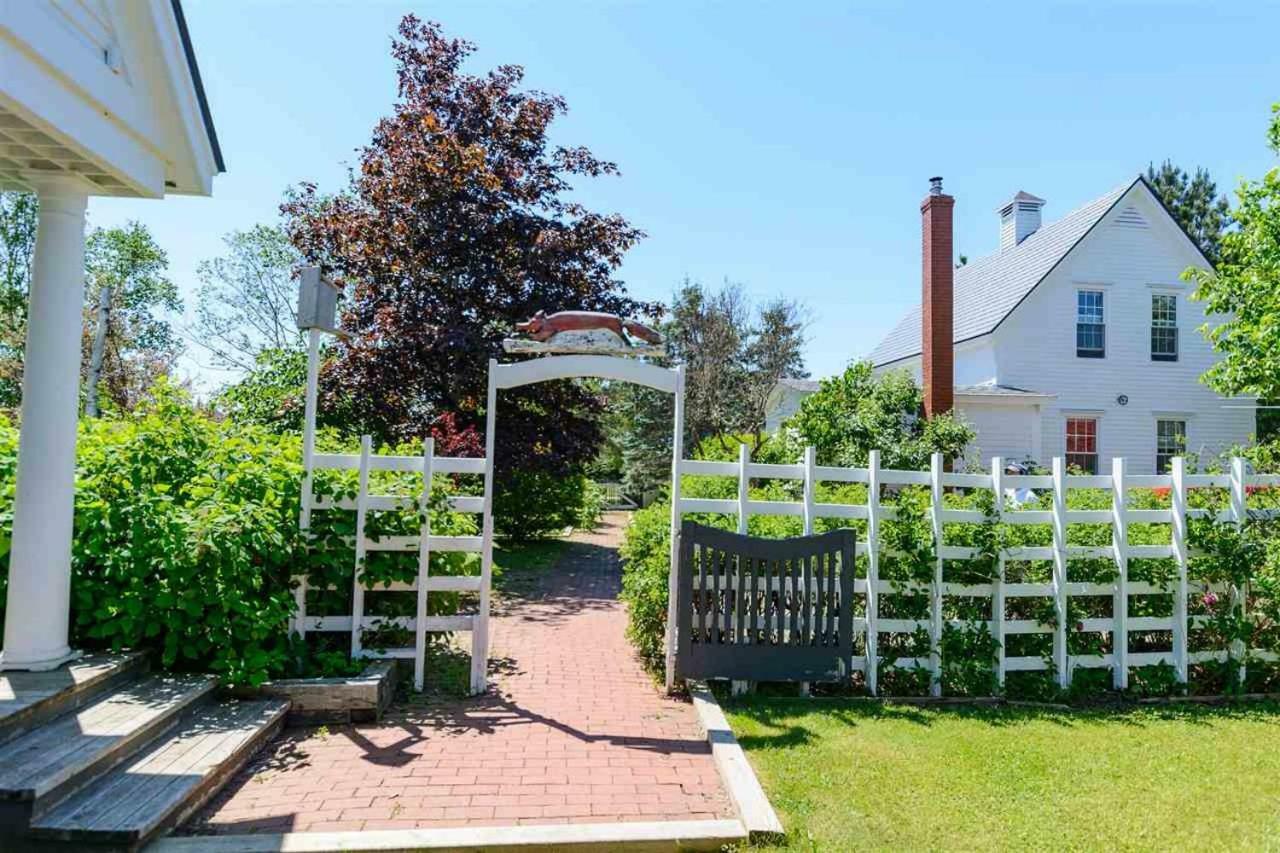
1059	517
424	544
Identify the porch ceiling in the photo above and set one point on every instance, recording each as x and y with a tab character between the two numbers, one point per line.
27	152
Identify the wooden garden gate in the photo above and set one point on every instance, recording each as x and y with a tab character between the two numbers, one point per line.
756	609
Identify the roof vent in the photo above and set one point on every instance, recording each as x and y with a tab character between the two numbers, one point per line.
1019	219
1130	218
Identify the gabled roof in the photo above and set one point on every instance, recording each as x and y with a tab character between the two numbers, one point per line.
988	289
1021	195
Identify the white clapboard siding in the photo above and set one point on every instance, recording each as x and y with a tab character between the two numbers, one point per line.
1060	590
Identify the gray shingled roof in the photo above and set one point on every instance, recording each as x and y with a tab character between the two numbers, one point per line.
800	384
998	391
987	289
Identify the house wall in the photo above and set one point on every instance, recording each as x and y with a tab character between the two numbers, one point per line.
1128	258
783	403
1003	430
975	363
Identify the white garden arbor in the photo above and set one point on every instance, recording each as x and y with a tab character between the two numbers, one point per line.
614	368
96	98
426	542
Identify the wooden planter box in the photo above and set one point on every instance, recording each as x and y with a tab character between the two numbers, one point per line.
358	699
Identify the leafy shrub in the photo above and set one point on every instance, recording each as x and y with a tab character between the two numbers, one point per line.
186	540
185	537
646	554
533	504
857	412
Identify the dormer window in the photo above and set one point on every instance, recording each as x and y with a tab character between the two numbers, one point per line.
1164	327
1091	328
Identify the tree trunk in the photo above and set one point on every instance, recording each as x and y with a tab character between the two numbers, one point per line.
99	351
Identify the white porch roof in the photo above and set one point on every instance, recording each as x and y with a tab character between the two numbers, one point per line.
107	94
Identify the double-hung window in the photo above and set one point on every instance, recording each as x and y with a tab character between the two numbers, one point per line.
1091	328
1164	327
1171	441
1082	444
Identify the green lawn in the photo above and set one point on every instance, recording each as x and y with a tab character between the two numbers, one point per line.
856	775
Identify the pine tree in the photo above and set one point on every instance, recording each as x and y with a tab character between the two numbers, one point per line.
1195	204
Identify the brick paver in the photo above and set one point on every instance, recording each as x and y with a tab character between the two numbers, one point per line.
572	731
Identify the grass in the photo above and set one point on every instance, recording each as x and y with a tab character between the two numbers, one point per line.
516	565
858	775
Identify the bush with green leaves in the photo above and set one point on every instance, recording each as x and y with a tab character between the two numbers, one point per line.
856	412
185	537
186	542
534	504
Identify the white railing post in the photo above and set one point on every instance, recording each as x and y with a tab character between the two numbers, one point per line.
424	566
357	579
677	454
1239	513
1178	507
1061	660
935	593
810	488
480	624
873	570
308	473
741	687
1120	598
997	583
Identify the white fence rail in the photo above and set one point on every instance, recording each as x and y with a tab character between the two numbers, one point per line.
424	544
1060	589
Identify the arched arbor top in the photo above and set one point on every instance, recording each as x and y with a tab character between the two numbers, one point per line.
584	366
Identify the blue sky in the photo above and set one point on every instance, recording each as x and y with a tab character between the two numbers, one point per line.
782	146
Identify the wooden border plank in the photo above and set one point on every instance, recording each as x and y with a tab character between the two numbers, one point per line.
748	797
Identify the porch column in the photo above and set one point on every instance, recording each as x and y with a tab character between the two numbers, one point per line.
37	615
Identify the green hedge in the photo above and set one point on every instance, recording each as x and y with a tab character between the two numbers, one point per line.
185	534
534	505
186	541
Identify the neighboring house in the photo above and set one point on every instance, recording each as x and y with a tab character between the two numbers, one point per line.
784	401
1076	338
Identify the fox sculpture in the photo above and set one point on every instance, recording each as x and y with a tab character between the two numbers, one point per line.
543	326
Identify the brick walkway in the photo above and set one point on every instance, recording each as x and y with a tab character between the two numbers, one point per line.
572	731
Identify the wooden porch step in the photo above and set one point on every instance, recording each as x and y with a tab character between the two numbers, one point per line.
28	699
55	759
166	782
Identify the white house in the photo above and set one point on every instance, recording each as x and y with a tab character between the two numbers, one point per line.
97	97
784	401
1076	338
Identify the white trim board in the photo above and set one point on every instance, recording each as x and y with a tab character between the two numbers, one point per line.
638	836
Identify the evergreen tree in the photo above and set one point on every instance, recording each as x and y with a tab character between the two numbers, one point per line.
1195	203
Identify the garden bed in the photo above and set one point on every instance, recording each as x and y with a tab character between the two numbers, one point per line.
864	774
356	699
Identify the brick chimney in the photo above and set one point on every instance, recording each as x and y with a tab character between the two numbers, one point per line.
938	281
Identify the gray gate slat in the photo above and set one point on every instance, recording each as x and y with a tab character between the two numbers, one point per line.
832	603
807	602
